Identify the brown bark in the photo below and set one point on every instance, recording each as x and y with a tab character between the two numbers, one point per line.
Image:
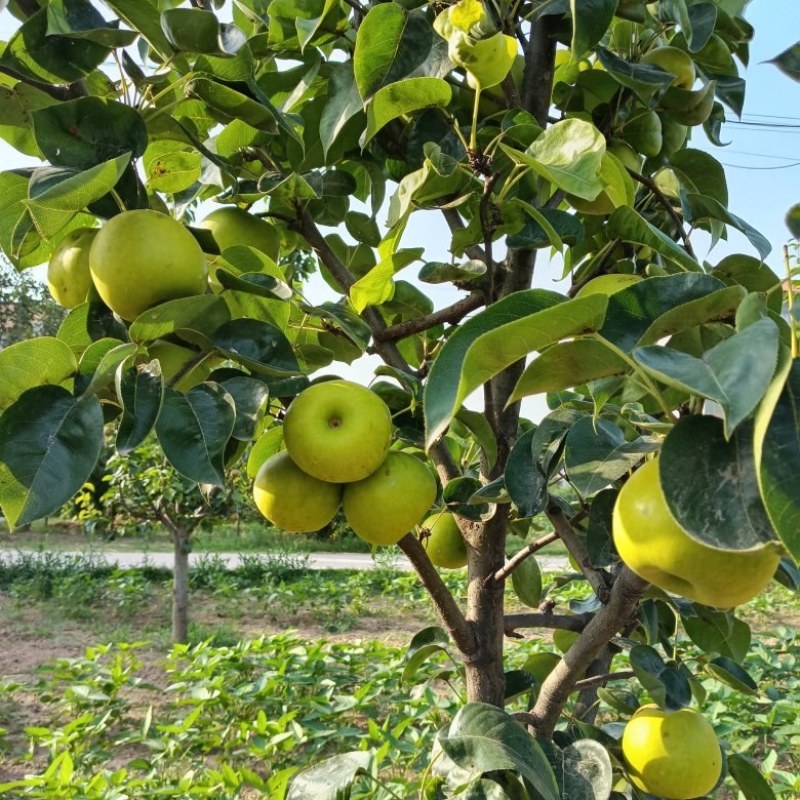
180	585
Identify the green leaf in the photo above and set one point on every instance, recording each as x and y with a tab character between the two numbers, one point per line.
710	484
258	346
701	173
630	226
598	454
443	272
568	154
203	313
376	287
405	97
483	739
568	364
482	431
788	62
171	166
718	633
88	131
590	21
547	227
49	444
703	20
778	457
193	429
459	497
644	79
268	444
103	375
703	207
391	43
428	642
496	338
527	582
332	778
229	104
728	671
141	391
599	542
735	373
191	29
666	684
525	481
16	105
750	781
33	362
344	104
690	107
145	18
793	220
50	59
633	311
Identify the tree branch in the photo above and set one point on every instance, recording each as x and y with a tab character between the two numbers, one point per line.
451	315
599	680
519	557
559	684
598	579
63	93
446	606
539	619
537	84
664	201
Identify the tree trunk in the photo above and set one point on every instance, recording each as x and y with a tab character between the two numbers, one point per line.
180	586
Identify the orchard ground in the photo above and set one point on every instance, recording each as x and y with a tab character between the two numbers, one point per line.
54	607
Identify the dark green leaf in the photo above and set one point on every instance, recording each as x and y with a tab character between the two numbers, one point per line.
599	544
78	19
735	373
88	131
525	482
628	225
428	642
249	396
330	779
140	390
443	272
728	671
703	207
258	346
793	220
229	104
457	496
718	632
788	62
710	484
701	173
526	579
778	458
644	79
49	444
749	780
632	311
666	684
483	433
193	429
703	19
145	18
586	772
597	454
482	739
590	21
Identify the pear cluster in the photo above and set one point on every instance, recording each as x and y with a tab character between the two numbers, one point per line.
337	436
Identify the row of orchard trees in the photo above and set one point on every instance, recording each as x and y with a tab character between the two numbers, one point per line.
523	129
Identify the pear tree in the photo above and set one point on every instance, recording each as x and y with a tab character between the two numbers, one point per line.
528	137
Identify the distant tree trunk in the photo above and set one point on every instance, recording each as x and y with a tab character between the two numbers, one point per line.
180	585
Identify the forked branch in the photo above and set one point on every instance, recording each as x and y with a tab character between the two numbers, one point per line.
519	557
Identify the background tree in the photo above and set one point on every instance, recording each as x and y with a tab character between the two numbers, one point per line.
25	308
527	129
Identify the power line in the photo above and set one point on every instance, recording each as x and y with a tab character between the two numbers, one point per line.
742	166
759	155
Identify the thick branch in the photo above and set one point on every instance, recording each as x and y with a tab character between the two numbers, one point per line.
446	606
537	84
598	579
519	557
615	615
565	622
450	315
63	93
664	200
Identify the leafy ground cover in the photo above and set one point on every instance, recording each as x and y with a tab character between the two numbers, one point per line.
285	668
